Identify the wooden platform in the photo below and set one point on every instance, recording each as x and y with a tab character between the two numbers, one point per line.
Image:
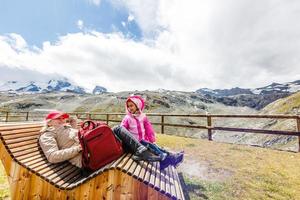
31	176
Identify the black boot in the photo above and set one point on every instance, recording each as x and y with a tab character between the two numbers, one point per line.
146	156
177	158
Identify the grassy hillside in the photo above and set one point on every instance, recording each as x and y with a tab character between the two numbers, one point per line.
288	105
221	171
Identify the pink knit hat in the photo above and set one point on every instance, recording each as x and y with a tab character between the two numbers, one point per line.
138	101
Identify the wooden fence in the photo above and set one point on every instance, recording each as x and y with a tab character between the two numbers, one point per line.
111	117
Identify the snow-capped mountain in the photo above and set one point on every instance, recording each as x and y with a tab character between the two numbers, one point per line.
254	98
289	87
41	87
63	85
99	90
273	88
224	92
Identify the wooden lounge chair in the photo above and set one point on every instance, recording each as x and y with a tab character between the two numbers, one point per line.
31	176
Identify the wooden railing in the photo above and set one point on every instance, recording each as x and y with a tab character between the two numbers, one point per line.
111	117
209	122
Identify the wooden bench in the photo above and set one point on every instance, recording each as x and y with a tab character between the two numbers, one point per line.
31	176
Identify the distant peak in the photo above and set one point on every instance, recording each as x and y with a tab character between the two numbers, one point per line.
99	90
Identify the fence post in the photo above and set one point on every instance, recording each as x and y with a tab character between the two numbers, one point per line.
88	115
27	116
209	131
298	129
107	119
162	124
6	117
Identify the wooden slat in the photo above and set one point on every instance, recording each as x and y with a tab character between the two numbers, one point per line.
152	175
126	167
137	170
33	164
21	144
52	169
20	132
13	127
123	162
179	188
74	179
23	148
52	175
23	139
28	151
157	177
64	176
130	167
163	181
176	183
118	161
28	155
169	177
28	164
32	158
142	172
14	136
42	166
147	173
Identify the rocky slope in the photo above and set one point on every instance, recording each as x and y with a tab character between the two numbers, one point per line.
254	98
289	105
163	101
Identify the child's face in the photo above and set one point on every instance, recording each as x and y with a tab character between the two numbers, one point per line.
131	107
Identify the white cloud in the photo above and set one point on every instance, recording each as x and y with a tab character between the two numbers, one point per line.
186	45
95	2
94	58
142	11
234	43
130	18
123	24
80	24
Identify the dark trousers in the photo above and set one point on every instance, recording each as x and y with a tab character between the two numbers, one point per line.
154	148
129	142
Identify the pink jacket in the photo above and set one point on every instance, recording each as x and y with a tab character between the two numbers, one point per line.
138	125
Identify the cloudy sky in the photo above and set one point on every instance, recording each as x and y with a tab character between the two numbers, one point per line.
151	44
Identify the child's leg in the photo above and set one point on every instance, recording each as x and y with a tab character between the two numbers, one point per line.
155	149
167	157
128	141
134	146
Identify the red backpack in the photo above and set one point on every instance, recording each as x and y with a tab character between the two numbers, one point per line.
99	144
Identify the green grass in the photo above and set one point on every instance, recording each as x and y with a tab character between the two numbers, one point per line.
4	188
255	173
284	105
199	189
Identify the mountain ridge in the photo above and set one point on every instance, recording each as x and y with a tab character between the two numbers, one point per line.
52	85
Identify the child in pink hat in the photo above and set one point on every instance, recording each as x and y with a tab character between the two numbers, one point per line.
137	123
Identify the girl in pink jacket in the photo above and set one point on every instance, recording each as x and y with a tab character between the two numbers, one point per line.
137	123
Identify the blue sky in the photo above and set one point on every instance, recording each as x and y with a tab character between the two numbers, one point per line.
39	21
151	44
